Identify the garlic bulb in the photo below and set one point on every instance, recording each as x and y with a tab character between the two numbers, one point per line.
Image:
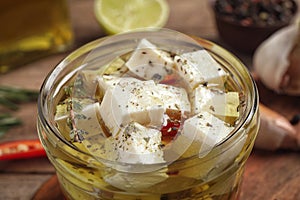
277	60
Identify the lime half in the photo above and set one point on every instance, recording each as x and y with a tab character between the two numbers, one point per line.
117	16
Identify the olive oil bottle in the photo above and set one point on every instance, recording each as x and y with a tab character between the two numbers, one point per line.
31	29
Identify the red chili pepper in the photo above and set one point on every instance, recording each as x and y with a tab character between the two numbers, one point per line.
170	80
21	149
170	130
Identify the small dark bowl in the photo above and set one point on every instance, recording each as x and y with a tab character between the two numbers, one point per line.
244	38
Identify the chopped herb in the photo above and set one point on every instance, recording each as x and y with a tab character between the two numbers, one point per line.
80	116
150	63
200	116
212	108
76	105
156	77
147	139
68	90
79	89
161	146
208	124
205	84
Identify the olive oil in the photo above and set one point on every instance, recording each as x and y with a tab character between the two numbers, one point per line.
31	29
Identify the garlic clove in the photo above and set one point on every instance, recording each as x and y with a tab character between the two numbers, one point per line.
292	86
276	132
276	63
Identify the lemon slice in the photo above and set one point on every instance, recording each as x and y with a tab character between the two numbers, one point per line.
118	16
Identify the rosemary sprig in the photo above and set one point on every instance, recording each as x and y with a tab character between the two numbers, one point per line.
76	135
7	121
10	96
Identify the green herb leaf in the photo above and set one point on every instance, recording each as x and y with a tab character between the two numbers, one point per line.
6	122
11	96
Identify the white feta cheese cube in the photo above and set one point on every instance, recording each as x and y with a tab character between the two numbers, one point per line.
207	129
199	135
86	117
138	144
216	161
222	104
107	82
111	71
150	63
199	67
88	120
130	101
174	98
141	101
156	115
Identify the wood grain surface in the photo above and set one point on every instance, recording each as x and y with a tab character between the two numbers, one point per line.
268	175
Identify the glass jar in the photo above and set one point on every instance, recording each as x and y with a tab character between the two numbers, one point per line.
216	174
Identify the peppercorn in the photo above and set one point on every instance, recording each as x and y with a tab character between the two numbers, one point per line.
295	119
256	12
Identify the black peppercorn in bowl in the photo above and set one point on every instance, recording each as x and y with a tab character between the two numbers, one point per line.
245	24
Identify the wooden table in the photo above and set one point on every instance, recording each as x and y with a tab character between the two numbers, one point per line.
268	175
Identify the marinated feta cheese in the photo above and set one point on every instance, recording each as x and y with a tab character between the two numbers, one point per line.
87	120
85	117
199	67
174	98
143	111
222	104
115	102
138	144
85	83
107	82
207	129
215	165
129	101
150	63
144	102
204	131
